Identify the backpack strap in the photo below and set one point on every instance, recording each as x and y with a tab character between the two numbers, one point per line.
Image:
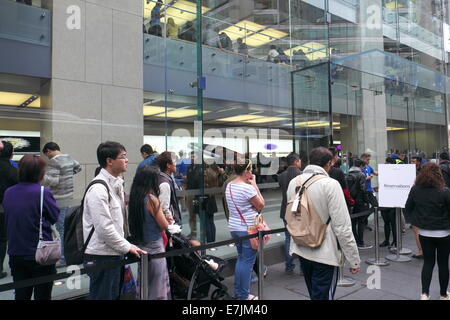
82	204
239	211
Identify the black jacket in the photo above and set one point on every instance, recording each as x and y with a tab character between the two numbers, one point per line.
8	176
445	169
428	208
356	181
283	180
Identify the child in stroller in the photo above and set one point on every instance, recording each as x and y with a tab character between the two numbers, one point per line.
191	275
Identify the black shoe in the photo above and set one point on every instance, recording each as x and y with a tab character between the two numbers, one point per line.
384	244
3	275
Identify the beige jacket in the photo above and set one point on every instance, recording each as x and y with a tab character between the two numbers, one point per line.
106	216
329	201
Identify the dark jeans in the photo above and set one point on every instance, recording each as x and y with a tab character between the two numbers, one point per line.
105	284
430	247
390	224
321	279
22	269
359	223
3	238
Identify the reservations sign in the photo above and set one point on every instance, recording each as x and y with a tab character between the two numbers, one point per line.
394	183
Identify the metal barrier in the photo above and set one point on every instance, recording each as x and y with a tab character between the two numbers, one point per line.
144	260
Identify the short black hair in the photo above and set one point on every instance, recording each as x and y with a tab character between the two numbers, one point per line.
333	151
50	146
444	156
292	158
390	160
108	149
418	158
359	163
320	156
146	148
366	155
7	150
164	159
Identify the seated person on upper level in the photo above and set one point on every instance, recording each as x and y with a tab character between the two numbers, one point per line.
188	32
172	29
225	42
242	47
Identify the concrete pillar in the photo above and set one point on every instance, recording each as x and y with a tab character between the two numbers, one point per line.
372	121
96	91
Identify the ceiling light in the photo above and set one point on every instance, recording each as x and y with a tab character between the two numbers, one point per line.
18	99
244	117
312	50
180	113
265	36
265	119
242	29
153	110
394	128
183	11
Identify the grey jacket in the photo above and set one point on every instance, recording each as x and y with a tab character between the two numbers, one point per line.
59	176
329	201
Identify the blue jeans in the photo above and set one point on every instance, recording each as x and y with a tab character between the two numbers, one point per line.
321	279
60	228
104	284
244	265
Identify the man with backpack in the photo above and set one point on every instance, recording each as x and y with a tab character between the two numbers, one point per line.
356	181
325	200
103	223
444	164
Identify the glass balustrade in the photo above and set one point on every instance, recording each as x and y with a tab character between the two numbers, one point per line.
25	23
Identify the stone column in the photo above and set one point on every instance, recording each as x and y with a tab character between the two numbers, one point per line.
372	121
96	91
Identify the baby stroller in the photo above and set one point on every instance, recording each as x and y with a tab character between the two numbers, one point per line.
191	276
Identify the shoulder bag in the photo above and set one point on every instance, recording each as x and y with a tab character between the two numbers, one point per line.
259	225
47	252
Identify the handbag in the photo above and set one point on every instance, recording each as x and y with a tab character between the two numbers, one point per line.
259	225
129	289
47	252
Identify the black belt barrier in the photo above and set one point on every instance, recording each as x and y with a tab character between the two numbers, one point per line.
171	253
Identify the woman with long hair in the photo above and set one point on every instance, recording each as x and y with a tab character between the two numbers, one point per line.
244	200
146	223
428	205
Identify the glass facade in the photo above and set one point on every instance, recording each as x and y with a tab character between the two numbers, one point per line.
228	79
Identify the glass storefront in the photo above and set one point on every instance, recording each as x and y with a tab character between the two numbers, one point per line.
229	79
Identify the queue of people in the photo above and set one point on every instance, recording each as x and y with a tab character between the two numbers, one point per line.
153	215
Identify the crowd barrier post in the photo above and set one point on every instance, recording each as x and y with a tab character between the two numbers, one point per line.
377	261
260	265
400	253
344	281
143	277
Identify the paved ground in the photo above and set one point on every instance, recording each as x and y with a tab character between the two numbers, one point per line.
399	280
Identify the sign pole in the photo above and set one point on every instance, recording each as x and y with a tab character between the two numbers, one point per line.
377	261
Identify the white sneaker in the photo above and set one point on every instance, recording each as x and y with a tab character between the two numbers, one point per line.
447	297
424	296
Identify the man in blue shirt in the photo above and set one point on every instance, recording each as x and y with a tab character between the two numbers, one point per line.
149	157
369	172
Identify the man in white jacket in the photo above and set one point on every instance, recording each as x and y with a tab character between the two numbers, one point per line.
106	213
320	265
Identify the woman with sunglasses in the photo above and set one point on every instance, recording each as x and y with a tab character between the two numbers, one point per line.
244	200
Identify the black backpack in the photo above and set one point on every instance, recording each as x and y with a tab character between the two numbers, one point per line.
352	184
74	245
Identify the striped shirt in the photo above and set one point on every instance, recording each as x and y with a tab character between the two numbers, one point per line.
242	193
59	177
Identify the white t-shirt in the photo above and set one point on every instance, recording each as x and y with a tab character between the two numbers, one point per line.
434	233
242	193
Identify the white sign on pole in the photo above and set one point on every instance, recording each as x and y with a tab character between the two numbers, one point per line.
394	183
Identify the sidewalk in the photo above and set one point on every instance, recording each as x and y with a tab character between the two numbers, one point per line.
399	280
